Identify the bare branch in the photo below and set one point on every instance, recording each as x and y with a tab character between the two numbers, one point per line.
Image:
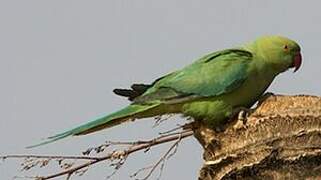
174	131
48	157
179	127
118	154
161	161
162	118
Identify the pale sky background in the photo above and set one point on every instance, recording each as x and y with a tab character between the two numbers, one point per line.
60	60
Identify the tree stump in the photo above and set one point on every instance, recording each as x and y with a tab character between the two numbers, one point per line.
281	139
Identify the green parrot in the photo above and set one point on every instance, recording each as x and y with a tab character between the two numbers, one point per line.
208	89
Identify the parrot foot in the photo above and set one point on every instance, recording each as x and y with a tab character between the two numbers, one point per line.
241	114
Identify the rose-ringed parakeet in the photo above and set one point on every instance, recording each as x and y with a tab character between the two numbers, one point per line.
207	90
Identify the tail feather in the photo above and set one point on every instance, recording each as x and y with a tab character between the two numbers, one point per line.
129	112
51	139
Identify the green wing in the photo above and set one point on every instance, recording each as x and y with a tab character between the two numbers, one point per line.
212	75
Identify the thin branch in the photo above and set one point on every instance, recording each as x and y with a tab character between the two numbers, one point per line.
170	132
122	153
117	165
163	158
179	126
48	157
162	118
24	177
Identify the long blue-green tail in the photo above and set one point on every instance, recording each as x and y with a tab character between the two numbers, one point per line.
127	113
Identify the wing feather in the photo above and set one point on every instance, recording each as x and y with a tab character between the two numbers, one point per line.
212	75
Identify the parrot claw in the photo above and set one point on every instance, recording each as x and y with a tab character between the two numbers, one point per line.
241	115
242	112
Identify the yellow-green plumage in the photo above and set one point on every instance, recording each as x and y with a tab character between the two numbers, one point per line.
209	89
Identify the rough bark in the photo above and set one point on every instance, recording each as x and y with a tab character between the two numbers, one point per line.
281	139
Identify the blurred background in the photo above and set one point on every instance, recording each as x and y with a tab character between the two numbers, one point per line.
60	61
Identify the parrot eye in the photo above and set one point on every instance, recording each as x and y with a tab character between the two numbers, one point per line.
286	47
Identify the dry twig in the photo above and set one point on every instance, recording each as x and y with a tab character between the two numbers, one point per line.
161	161
121	155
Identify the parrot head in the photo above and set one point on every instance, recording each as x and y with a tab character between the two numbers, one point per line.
280	52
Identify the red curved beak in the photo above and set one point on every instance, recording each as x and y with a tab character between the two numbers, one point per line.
297	61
